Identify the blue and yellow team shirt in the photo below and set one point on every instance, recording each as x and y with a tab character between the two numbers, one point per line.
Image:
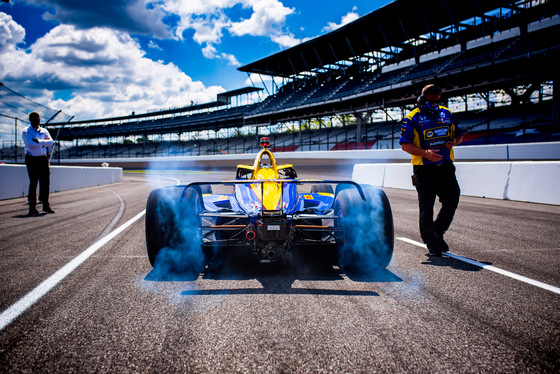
430	130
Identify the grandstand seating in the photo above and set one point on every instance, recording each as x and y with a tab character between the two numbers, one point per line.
504	124
495	41
499	125
508	45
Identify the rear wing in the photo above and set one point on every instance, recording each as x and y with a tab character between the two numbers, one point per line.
262	181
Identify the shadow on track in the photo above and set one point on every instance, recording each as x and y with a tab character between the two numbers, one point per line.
282	279
452	263
41	214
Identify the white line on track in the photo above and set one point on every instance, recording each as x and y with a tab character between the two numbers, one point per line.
490	267
41	290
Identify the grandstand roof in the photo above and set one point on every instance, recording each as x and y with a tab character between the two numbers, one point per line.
225	97
392	25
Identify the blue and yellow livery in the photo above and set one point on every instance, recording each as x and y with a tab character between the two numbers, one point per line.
268	211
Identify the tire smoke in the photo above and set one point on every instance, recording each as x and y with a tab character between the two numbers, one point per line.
368	227
181	255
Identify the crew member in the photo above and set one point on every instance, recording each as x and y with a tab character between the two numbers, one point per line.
37	142
429	134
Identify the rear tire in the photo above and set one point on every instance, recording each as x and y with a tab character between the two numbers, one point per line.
343	186
205	188
172	229
367	238
160	220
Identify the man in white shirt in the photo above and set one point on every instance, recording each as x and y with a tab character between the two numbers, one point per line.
37	143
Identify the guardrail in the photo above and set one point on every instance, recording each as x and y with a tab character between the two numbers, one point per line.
14	181
524	172
531	181
548	151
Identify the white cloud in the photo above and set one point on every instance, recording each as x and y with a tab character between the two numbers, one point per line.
268	16
153	45
132	16
197	7
346	19
287	40
267	20
209	28
210	52
106	70
103	71
209	19
12	33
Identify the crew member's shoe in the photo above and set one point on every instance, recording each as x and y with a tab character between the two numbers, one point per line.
434	252
433	249
33	212
442	244
48	210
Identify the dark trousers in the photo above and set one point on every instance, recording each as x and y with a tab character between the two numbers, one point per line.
432	181
39	172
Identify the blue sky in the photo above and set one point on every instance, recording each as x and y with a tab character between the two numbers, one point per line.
95	59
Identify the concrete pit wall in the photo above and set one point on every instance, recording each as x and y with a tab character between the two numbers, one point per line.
531	181
14	181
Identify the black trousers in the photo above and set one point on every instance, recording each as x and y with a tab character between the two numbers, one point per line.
39	172
432	181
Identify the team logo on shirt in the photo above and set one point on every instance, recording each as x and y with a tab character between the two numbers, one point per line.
437	133
435	143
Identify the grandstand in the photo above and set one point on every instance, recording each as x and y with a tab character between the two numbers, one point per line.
350	88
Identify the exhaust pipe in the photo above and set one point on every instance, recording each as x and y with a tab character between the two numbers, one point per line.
250	235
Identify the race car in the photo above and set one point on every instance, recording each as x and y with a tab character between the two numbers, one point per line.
267	212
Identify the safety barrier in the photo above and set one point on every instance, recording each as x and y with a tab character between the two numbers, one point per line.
501	152
14	181
531	181
494	171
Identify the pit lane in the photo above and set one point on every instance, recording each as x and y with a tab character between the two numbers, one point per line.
422	314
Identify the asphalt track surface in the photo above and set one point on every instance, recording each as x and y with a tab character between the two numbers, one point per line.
110	313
